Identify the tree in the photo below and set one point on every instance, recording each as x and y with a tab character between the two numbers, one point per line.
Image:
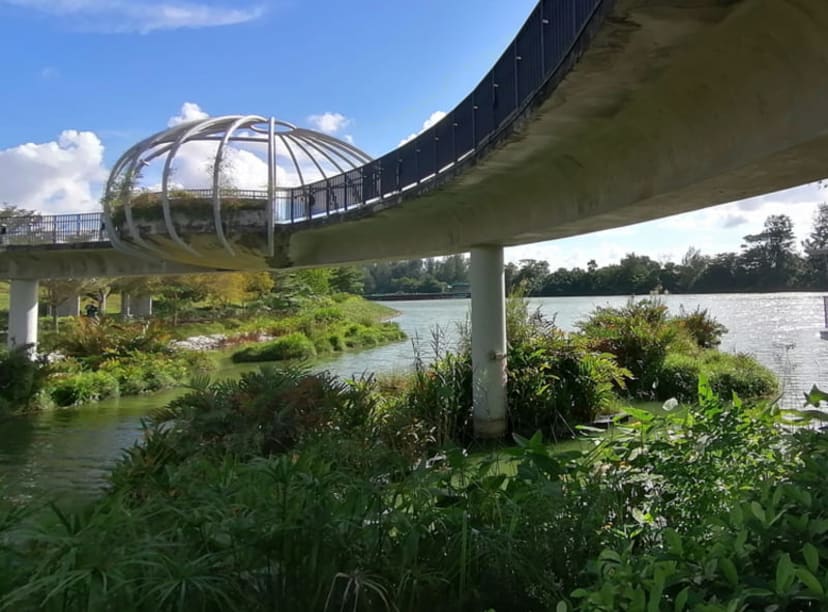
816	250
692	267
55	292
769	256
347	279
532	275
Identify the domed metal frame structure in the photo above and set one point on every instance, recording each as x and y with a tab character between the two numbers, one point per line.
306	148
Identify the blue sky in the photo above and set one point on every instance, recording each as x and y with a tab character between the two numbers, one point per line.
86	78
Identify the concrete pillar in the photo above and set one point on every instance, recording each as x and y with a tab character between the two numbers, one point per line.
70	307
23	296
488	322
141	305
126	305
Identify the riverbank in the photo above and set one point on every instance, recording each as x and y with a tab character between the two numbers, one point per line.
380	482
93	359
69	450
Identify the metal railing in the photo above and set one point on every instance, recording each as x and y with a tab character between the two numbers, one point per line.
52	229
529	64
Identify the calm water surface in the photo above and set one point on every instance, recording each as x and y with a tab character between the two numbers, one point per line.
67	453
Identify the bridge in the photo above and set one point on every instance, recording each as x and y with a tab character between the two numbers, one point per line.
599	114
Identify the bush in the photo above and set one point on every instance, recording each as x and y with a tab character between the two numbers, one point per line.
80	388
556	383
753	534
146	372
21	379
94	341
291	346
705	331
727	374
638	334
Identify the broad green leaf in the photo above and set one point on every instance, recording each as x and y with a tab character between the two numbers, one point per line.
673	541
681	599
784	574
729	571
639	414
811	554
758	511
609	555
810	581
815	396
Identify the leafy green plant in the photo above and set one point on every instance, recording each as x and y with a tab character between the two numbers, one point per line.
21	378
291	346
81	388
706	331
556	383
639	335
727	374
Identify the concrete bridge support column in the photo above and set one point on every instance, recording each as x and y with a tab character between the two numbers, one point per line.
69	308
126	305
488	322
23	295
141	305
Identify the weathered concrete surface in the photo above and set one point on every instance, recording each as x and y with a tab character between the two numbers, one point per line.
675	106
82	261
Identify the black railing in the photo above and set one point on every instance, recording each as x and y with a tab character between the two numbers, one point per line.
531	60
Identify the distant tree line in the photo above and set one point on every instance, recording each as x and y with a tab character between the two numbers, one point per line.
768	261
416	275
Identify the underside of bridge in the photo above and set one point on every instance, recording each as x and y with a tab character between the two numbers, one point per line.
675	105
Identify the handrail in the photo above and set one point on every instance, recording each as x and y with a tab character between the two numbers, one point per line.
51	229
520	75
531	60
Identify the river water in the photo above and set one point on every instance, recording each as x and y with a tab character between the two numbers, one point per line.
67	453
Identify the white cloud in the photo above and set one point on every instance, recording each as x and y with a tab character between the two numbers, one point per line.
190	111
48	72
63	175
329	123
432	120
144	16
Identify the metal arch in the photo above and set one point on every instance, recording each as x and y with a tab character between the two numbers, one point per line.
298	170
359	154
342	172
325	177
216	176
151	144
165	176
329	156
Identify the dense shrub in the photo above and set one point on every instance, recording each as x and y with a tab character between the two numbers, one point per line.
739	526
21	379
291	346
727	374
145	372
96	340
705	331
82	387
639	335
555	383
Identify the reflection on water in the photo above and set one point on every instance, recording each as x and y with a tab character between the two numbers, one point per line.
68	452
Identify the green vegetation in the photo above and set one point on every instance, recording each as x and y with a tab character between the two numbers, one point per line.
667	355
21	380
768	261
97	358
295	491
291	346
